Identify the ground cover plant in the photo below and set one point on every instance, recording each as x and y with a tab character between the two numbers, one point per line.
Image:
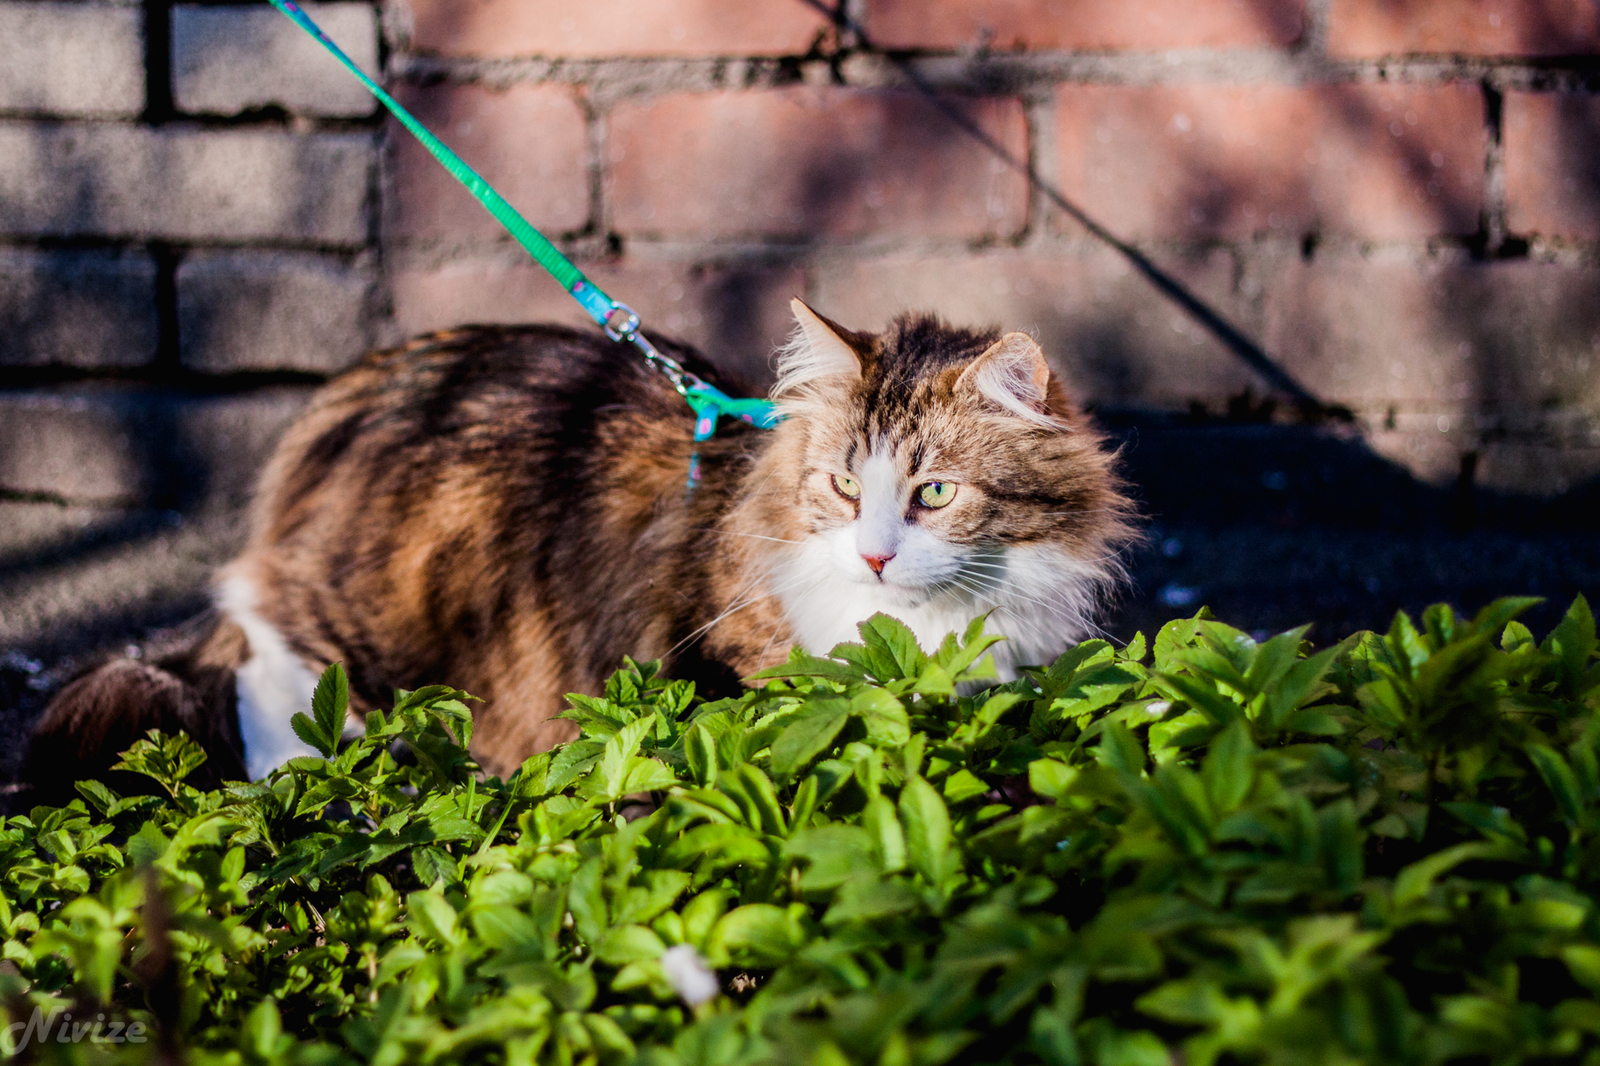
1206	849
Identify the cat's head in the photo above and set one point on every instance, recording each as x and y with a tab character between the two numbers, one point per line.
934	472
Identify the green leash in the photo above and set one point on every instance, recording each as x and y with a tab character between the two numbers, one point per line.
619	321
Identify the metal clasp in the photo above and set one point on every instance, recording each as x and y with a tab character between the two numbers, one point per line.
622	323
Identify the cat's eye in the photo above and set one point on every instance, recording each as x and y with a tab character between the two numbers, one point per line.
936	494
847	487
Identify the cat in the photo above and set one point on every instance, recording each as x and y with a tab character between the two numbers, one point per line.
505	509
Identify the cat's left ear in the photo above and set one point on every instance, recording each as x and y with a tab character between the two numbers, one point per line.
1012	374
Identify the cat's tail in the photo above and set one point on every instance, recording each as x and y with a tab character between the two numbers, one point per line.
94	719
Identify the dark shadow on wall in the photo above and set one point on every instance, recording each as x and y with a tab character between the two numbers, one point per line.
1274	526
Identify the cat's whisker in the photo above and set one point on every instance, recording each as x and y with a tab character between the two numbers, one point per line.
1075	611
737	606
752	536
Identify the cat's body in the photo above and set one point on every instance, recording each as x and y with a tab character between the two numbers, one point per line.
505	510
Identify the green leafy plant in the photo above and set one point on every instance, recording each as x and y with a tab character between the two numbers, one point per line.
1205	850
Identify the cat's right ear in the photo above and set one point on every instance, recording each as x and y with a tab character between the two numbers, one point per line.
819	352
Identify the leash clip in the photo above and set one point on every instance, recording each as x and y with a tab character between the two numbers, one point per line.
622	323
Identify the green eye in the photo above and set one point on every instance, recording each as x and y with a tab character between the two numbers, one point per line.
936	494
846	487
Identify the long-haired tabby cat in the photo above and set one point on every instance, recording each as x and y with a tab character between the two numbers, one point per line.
504	509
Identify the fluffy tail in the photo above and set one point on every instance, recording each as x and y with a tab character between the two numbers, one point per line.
103	712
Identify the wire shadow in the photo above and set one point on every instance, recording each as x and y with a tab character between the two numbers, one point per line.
1247	350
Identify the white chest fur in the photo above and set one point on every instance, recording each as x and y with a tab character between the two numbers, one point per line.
273	685
1039	598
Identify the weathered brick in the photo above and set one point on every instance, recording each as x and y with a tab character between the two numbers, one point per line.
1552	160
530	142
810	162
141	447
229	59
1432	457
1116	340
70	445
504	28
71	58
101	576
1458	342
1387	161
272	311
737	313
1542	469
84	309
1135	25
1478	27
62	179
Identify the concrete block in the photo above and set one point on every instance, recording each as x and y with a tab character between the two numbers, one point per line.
1361	28
530	142
1443	340
1552	153
130	446
1538	468
1112	335
83	309
736	313
230	59
811	162
499	29
98	577
272	311
1207	161
1132	25
177	183
71	59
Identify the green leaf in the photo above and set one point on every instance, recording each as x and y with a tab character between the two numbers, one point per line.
892	650
927	826
1228	770
1559	779
1414	882
885	717
330	703
1051	778
1572	643
629	943
886	833
700	751
808	734
964	785
871	900
756	934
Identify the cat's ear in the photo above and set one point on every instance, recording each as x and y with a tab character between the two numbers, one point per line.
1012	374
818	352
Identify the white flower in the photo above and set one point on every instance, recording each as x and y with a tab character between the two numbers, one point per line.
691	978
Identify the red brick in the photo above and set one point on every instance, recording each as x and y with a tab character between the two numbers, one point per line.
808	162
1552	159
1132	25
1381	161
736	313
1439	340
530	142
1116	340
504	28
1480	27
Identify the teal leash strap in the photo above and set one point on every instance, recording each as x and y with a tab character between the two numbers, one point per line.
619	321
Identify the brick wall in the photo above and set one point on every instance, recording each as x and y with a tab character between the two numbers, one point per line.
1394	203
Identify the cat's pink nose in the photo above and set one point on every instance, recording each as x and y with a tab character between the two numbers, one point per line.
877	562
